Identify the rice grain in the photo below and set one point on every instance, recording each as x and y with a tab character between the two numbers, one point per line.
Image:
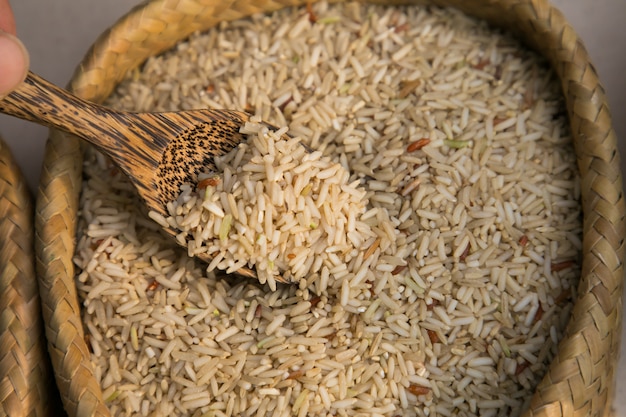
427	280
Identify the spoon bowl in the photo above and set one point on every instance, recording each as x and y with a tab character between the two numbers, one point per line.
157	151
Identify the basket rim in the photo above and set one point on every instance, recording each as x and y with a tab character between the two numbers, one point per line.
25	370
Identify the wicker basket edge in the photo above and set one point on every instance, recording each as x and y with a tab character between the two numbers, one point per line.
546	29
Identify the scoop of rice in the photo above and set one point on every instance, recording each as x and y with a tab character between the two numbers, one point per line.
277	207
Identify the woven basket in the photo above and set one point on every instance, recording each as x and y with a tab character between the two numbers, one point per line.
26	387
580	380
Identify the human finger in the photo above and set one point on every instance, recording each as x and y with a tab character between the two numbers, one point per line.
14	62
7	19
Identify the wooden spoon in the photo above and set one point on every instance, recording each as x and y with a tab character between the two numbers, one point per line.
157	151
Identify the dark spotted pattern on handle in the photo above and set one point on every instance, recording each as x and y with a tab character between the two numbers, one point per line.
158	151
192	152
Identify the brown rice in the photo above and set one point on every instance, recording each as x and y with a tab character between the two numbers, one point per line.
453	293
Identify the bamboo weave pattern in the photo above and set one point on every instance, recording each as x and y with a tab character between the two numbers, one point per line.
580	381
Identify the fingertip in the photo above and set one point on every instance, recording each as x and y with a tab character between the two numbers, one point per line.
14	62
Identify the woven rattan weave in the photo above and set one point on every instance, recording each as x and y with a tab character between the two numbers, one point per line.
580	380
26	381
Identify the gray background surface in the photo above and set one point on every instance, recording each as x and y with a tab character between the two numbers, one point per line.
59	32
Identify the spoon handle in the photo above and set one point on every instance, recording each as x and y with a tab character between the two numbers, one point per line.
42	102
